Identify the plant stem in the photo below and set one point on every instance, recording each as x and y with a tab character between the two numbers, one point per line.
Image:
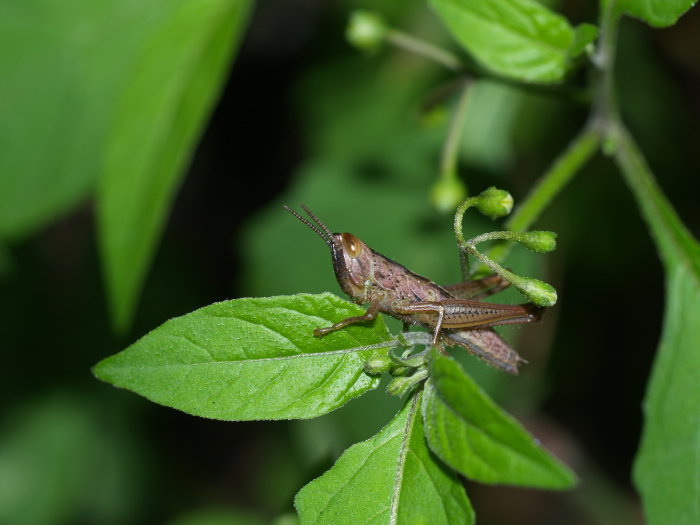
426	49
605	104
675	243
579	151
448	161
672	238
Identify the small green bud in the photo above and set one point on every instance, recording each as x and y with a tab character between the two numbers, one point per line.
377	365
539	292
494	203
366	30
539	241
401	385
447	194
397	371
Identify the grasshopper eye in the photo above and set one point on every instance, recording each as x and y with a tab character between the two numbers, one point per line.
352	245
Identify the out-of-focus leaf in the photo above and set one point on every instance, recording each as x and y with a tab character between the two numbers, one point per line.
248	359
466	429
658	13
58	464
392	478
521	39
159	116
668	461
487	139
584	35
62	67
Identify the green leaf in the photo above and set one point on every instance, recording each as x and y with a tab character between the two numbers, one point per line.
62	67
248	359
161	112
466	429
668	461
392	478
658	13
521	39
584	36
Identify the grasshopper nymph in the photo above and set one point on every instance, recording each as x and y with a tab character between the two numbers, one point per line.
453	312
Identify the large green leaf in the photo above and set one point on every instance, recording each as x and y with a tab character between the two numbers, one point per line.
62	66
250	359
667	467
658	13
159	116
392	478
469	432
521	39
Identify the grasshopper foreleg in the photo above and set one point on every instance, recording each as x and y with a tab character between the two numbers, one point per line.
369	315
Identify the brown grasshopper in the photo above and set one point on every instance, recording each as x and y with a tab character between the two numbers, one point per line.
453	312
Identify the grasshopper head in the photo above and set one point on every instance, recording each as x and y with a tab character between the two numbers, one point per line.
351	256
352	263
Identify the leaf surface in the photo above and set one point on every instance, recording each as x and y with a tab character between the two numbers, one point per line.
392	478
520	39
667	466
159	116
470	433
248	359
658	13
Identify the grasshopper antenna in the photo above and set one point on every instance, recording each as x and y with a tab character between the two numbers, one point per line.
324	232
318	221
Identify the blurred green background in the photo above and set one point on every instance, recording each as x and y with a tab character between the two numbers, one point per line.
303	117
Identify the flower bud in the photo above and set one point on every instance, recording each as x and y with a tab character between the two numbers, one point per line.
539	292
539	241
366	30
494	203
401	385
397	371
377	365
447	194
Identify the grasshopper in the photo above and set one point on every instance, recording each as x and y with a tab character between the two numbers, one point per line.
454	313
